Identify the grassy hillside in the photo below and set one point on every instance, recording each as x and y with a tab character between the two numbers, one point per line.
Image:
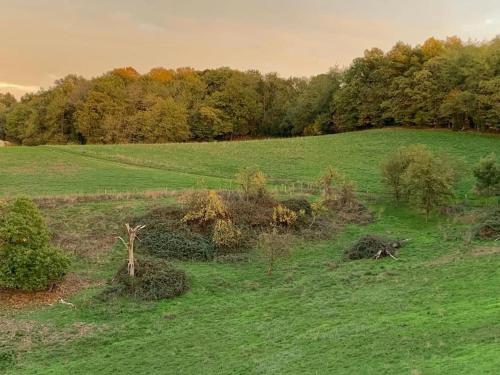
435	310
49	170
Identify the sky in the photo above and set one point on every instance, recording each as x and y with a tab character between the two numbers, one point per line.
44	40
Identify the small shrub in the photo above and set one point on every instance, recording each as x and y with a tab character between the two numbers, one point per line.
246	213
31	269
253	182
487	173
429	182
165	236
284	217
204	208
27	261
23	225
154	279
166	243
396	165
7	357
168	216
226	235
345	196
488	224
372	246
273	246
327	183
298	205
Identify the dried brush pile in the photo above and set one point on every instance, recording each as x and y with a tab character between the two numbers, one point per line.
154	279
373	247
488	224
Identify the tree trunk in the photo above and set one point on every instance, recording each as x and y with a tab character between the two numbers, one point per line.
132	235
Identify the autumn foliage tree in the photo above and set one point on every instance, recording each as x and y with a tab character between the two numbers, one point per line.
439	83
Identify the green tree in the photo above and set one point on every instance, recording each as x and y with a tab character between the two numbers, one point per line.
487	173
6	103
429	181
396	165
166	121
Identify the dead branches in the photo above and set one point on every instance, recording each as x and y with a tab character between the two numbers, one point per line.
132	235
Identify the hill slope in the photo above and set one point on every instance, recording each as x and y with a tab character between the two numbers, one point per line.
49	170
433	311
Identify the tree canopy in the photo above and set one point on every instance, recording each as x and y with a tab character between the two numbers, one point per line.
440	83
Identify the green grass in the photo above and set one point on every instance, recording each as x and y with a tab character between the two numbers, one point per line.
433	311
49	170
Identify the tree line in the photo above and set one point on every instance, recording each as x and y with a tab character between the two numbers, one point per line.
440	83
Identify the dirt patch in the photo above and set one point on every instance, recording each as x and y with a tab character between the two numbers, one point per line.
21	170
60	200
19	299
456	256
23	335
444	259
481	251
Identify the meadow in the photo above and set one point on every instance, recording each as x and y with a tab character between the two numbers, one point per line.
434	310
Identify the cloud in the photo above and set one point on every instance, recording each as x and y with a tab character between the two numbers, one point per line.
17	87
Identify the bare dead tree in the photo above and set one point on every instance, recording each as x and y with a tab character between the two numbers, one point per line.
132	235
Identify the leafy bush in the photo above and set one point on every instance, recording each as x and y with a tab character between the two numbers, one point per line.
419	176
27	261
204	208
327	183
252	181
488	224
7	357
396	165
168	216
345	196
273	246
303	209
165	243
246	213
429	181
154	279
284	217
298	205
226	234
372	246
31	269
23	224
487	173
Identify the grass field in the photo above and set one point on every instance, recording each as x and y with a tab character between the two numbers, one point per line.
436	310
50	170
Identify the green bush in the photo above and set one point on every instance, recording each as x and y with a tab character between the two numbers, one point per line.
488	224
396	164
252	182
487	173
27	261
7	357
31	269
298	205
154	279
429	182
22	224
163	242
165	236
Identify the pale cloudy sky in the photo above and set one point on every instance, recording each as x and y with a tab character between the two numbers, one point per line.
42	40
